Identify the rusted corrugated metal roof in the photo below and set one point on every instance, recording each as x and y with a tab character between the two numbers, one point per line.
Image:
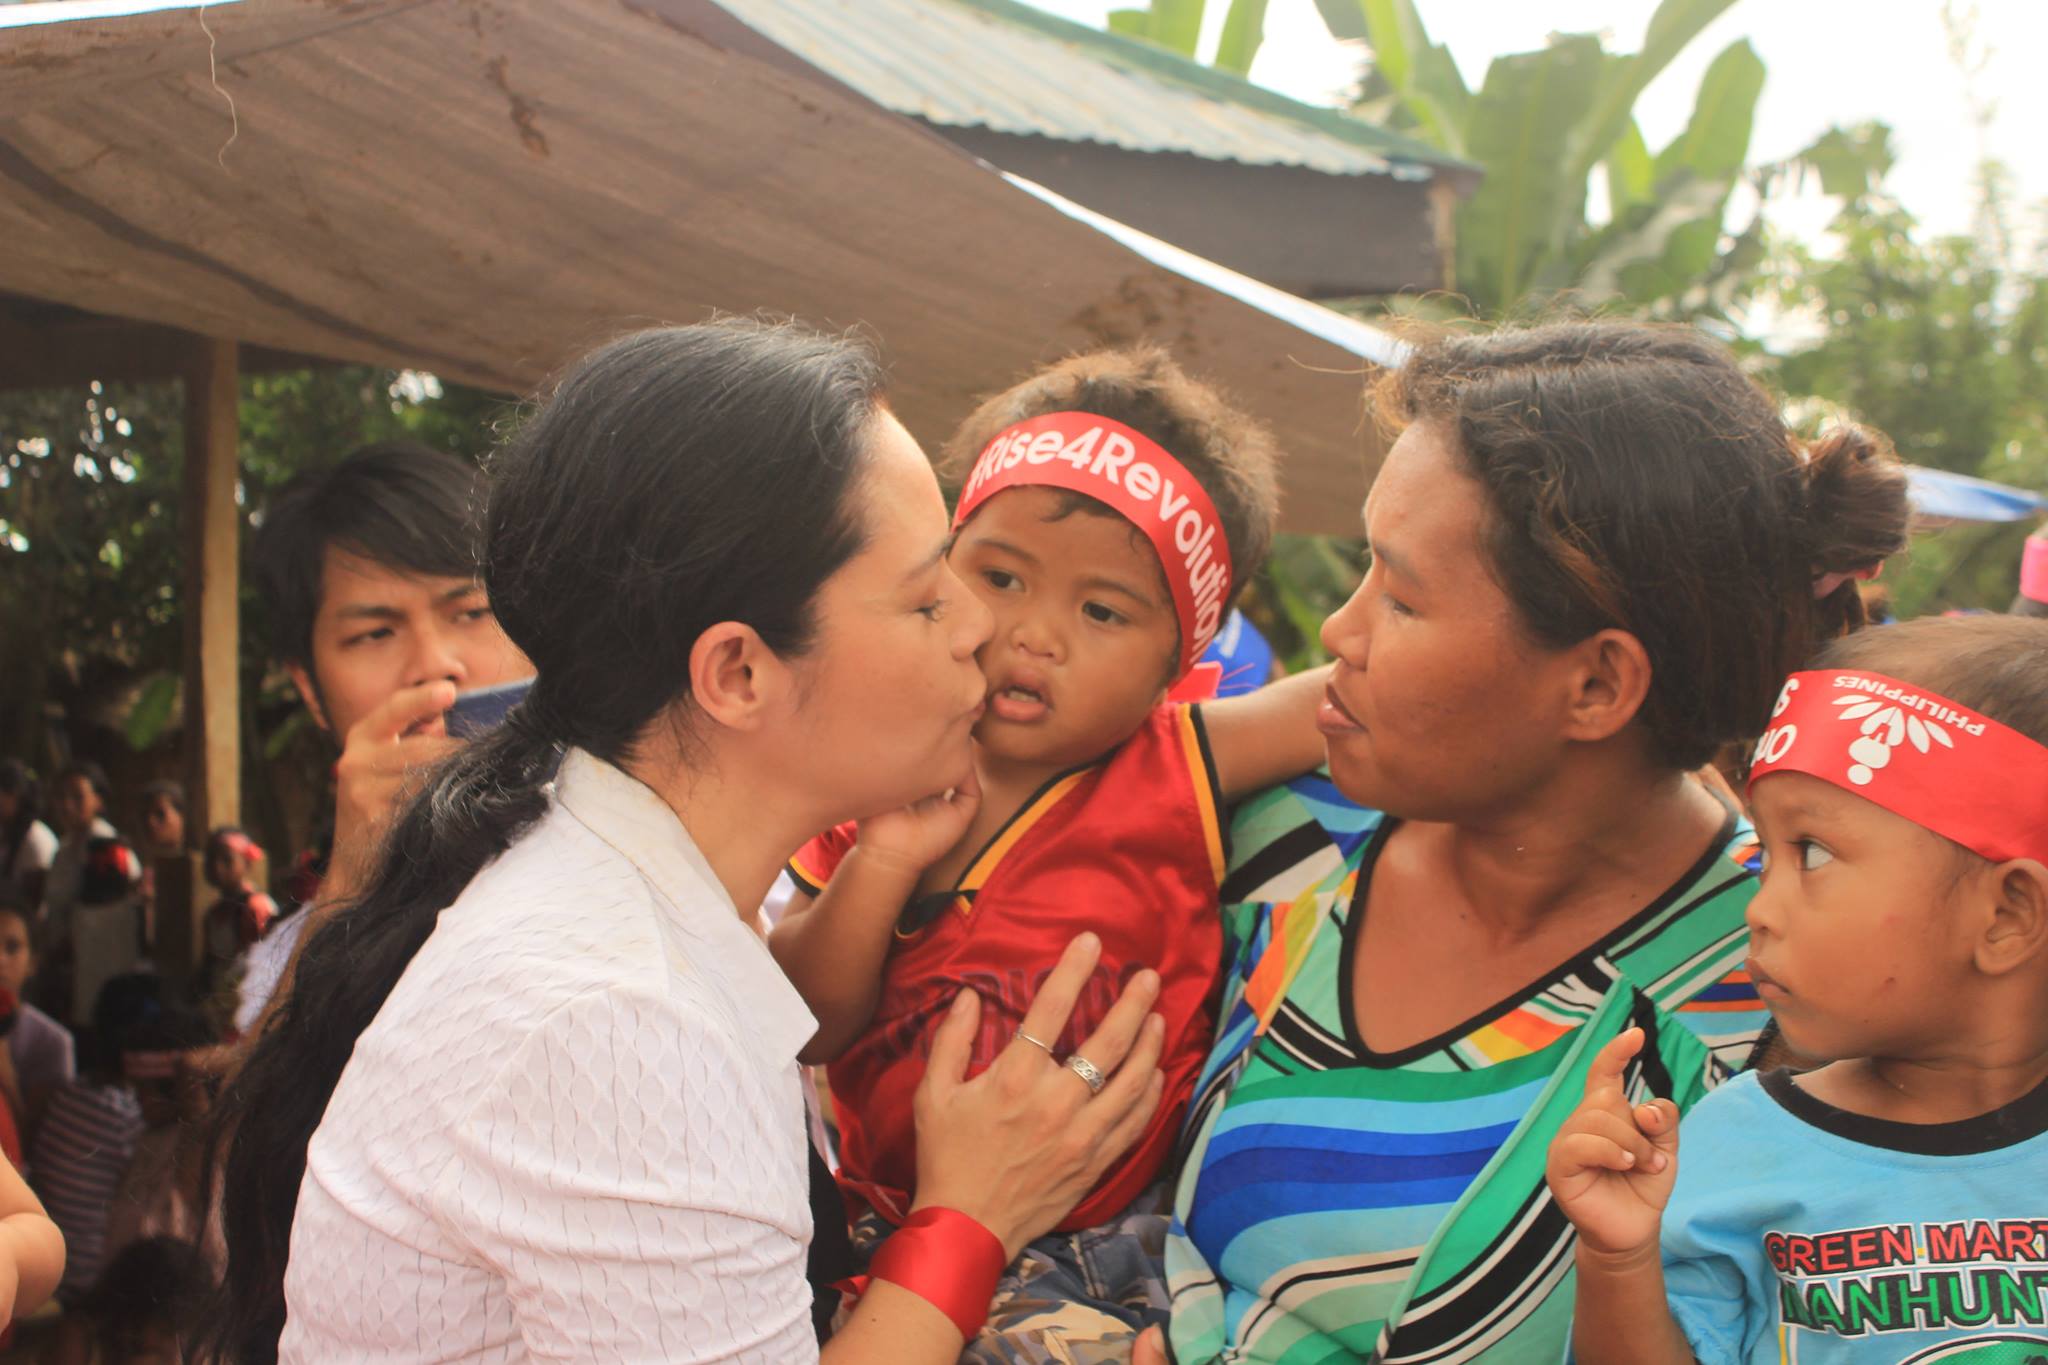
487	190
1008	67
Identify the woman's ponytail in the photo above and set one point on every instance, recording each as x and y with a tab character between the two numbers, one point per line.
471	809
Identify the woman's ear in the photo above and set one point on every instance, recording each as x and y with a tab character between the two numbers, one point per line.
735	679
1610	678
2016	932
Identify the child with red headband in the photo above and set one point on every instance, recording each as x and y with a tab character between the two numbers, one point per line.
242	913
1111	508
1892	1205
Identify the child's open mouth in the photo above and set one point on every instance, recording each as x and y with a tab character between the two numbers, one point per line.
1016	703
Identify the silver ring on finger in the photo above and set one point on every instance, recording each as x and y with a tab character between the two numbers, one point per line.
1091	1076
1035	1042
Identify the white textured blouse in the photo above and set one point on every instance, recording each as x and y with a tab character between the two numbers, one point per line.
575	1131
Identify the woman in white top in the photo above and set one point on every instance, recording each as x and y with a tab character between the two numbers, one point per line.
534	1096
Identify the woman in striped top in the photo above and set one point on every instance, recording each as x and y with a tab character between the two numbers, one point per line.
1596	549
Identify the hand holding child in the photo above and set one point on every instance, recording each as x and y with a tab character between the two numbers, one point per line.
1019	1144
1612	1165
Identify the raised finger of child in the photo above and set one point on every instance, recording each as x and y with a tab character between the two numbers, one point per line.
1575	1152
1657	1118
1623	1133
1604	1077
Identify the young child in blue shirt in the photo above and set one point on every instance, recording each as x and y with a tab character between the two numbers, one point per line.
1890	1205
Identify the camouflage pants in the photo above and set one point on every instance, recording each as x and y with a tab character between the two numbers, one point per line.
1074	1298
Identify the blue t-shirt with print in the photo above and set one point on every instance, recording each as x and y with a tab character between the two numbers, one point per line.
1801	1234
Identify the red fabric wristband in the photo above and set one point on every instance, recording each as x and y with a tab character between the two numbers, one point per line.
947	1259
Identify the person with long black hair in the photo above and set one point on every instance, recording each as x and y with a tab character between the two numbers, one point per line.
534	1092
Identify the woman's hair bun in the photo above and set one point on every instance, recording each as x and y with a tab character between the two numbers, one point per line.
1858	515
1858	512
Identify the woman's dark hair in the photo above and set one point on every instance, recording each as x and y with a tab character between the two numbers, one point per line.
1227	451
125	1004
218	839
672	480
169	1027
156	1284
1637	479
18	780
396	503
174	792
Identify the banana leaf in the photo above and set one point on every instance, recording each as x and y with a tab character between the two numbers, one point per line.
1243	30
1512	231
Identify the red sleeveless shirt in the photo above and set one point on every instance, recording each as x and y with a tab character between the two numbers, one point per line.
1131	849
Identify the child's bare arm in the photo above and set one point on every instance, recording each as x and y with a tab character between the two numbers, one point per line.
1622	1316
31	1248
1266	736
1611	1169
832	948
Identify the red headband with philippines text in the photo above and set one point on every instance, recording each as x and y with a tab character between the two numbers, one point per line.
1917	754
1133	475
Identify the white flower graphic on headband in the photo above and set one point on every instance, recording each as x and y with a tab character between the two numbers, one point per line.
1885	727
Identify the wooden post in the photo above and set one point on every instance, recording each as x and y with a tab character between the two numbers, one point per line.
211	532
1443	214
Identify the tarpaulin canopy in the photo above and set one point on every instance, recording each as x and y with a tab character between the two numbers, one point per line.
485	190
1941	496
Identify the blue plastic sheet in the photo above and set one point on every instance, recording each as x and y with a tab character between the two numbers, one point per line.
1958	497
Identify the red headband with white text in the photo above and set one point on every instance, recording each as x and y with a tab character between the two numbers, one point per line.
1134	476
1917	754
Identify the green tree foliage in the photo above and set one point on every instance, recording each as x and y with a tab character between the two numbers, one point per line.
1177	26
1540	125
90	549
1940	343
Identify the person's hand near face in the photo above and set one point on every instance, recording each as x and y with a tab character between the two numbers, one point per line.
390	652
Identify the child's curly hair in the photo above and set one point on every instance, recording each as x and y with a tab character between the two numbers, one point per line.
1228	452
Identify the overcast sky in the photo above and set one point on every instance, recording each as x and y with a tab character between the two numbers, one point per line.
1828	61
